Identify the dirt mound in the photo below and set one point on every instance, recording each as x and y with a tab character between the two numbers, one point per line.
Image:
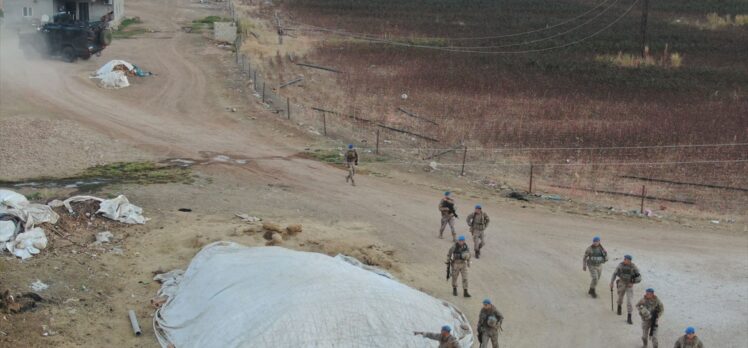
371	254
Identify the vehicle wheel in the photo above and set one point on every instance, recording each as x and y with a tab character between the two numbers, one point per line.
68	54
105	37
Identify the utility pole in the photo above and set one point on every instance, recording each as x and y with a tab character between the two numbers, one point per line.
645	14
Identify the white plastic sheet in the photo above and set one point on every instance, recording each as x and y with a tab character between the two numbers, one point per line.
28	243
11	199
111	78
119	209
122	210
237	296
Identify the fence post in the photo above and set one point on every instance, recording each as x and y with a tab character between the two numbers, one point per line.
531	168
324	123
288	108
464	157
263	91
254	81
644	193
377	150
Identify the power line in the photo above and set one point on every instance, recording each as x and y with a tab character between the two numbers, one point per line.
439	48
505	164
502	149
500	36
590	20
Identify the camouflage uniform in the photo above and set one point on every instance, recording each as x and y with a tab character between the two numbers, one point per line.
486	332
447	218
460	258
478	223
653	305
628	275
351	160
594	258
684	342
444	341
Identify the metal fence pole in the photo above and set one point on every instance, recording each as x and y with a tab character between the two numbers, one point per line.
531	168
464	157
644	193
288	108
324	123
377	150
263	91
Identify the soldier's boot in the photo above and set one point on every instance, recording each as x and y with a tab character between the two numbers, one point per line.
454	291
589	292
619	309
644	343
477	254
465	293
628	319
593	293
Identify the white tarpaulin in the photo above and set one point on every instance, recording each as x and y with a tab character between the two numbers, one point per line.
112	76
119	209
28	243
237	296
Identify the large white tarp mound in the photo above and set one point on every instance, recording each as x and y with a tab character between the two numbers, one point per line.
237	296
113	74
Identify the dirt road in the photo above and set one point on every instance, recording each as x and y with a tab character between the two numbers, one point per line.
531	266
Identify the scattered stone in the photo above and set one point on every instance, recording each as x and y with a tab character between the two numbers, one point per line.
103	237
269	226
38	285
294	229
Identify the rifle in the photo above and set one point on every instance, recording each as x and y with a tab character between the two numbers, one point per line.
449	269
653	323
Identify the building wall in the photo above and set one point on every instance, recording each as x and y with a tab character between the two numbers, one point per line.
13	10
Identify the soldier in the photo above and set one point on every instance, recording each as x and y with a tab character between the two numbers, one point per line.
351	160
628	275
459	259
594	258
478	221
489	324
689	340
445	338
447	209
650	309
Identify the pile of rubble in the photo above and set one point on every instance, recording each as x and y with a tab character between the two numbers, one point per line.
21	221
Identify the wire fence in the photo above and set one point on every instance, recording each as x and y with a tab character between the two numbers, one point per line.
645	179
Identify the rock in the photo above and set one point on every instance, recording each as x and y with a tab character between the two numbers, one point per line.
269	226
104	237
294	229
275	239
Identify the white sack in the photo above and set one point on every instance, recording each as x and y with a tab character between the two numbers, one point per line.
122	210
114	79
28	243
12	199
34	214
109	67
237	296
7	230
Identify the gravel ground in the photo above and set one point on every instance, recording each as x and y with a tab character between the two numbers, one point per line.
35	146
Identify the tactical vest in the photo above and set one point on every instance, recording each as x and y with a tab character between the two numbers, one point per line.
626	273
597	256
459	251
479	221
350	156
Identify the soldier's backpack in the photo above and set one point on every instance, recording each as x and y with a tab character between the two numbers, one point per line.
492	322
